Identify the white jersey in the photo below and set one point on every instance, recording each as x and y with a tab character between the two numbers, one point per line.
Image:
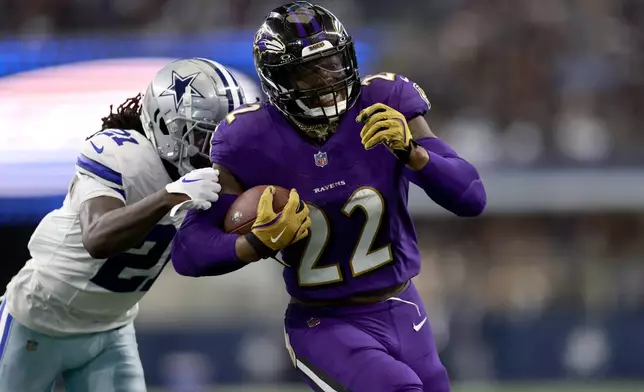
62	290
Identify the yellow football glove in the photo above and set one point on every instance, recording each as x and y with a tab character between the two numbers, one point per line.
386	125
272	231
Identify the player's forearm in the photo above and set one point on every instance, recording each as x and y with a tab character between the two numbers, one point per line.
245	251
197	252
202	248
123	228
449	180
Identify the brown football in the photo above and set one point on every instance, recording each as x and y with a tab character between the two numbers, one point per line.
243	212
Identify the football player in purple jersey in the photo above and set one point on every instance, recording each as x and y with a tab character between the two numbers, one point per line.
348	146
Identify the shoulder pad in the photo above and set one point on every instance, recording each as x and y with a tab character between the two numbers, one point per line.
396	91
380	77
238	128
378	87
244	114
236	135
243	122
107	155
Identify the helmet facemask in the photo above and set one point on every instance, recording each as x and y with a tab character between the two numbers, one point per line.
184	140
317	88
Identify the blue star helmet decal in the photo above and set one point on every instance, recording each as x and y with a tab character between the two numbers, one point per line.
178	88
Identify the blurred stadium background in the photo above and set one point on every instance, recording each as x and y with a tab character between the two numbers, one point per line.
545	292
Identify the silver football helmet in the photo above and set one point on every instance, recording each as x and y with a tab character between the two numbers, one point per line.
182	107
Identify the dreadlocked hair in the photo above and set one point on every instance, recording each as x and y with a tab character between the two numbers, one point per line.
126	116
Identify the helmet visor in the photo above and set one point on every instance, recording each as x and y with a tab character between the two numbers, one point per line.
317	86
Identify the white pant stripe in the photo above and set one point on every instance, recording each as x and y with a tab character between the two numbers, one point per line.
317	380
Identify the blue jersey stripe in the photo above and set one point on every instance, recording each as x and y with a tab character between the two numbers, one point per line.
99	169
5	330
120	191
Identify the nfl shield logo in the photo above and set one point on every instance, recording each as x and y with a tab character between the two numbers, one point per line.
320	159
31	345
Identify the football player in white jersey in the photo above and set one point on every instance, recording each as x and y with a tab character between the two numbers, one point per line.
69	311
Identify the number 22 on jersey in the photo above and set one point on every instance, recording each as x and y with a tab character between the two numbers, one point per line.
363	258
138	268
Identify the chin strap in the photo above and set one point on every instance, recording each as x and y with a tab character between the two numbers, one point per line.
318	132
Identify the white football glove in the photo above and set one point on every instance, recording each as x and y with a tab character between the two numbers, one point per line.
201	186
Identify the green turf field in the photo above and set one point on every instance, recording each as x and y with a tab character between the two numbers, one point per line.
537	387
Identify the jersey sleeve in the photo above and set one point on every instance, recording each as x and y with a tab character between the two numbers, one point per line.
85	188
98	159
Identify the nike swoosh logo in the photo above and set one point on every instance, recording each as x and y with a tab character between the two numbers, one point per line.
418	326
188	181
274	240
98	150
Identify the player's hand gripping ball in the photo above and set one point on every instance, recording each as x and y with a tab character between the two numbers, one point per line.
385	125
272	228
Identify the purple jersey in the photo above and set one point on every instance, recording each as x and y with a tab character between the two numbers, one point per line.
362	237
